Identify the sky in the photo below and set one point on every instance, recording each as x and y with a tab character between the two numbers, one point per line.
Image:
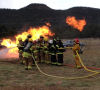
54	4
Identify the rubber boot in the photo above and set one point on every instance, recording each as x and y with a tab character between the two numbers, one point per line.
26	67
59	64
29	67
54	63
23	61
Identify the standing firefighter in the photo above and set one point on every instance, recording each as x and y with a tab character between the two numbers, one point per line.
38	59
20	49
27	54
46	51
60	50
27	39
76	48
41	49
53	51
34	51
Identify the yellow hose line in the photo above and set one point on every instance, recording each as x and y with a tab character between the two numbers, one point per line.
85	66
67	78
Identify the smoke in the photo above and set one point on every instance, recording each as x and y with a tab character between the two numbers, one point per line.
4	54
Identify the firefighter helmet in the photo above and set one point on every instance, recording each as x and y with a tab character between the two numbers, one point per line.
29	36
76	40
46	39
51	41
41	36
19	39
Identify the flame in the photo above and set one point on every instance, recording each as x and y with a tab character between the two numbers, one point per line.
78	24
8	43
35	32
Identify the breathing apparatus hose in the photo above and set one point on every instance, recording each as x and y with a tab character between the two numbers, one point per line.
67	78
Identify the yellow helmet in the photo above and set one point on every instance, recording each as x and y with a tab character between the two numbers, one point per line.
41	36
29	36
45	39
30	40
19	39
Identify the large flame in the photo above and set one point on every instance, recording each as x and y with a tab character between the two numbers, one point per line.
35	32
78	24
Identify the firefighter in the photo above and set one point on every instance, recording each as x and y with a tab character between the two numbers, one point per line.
38	52
20	50
60	50
49	49
46	51
53	50
41	46
34	51
27	54
76	48
27	39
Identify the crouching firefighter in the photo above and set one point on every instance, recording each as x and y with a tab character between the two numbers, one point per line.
28	55
76	48
60	50
20	49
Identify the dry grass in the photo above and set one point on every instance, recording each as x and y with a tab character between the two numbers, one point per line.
14	77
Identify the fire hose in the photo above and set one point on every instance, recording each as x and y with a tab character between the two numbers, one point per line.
70	65
68	78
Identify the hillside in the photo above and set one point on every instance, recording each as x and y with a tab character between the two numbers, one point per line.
13	21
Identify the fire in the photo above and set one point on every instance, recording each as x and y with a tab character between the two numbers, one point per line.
8	43
78	24
35	32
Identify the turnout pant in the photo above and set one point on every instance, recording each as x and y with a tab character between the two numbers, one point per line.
77	62
60	58
53	59
47	57
20	57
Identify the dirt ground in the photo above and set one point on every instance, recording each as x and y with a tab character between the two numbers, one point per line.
14	77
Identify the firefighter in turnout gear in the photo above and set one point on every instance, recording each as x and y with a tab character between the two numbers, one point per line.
20	49
60	50
27	39
38	59
27	54
34	51
41	46
53	50
46	51
76	48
